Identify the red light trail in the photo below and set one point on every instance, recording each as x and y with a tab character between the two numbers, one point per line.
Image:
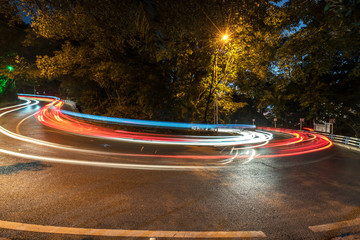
300	142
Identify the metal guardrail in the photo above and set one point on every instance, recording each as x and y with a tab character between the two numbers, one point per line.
354	142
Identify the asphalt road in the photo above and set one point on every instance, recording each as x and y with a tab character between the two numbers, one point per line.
266	198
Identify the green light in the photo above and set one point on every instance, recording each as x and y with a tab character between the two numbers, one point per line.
3	83
10	68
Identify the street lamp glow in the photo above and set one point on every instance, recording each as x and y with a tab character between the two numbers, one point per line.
225	37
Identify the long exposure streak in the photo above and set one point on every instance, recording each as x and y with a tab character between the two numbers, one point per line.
244	142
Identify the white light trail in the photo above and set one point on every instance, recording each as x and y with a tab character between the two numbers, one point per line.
108	164
70	148
26	103
252	156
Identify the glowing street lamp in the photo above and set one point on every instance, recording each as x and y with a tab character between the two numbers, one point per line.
224	38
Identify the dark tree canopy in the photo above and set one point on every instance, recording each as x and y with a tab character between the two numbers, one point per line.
165	59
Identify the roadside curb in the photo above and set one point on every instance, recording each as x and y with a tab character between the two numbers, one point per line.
347	146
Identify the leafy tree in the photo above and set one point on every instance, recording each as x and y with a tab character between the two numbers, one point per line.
166	59
11	32
318	60
154	59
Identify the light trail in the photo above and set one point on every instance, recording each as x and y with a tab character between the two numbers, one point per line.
51	116
298	137
300	143
148	123
252	156
227	161
18	108
109	164
23	120
69	148
23	104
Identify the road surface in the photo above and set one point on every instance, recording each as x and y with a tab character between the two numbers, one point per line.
307	196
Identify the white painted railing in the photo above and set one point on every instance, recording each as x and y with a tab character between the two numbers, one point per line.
351	141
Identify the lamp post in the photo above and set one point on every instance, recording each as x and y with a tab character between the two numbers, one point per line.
224	38
332	121
301	122
216	113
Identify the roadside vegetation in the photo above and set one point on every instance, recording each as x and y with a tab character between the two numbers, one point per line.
169	60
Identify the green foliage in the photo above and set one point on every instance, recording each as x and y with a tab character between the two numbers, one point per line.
319	61
9	97
165	59
154	59
3	84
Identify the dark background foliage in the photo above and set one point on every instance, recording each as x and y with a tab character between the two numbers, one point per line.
165	59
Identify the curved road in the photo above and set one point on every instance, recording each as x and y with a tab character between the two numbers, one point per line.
309	196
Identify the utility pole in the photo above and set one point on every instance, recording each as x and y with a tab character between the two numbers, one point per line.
332	121
224	38
301	122
217	114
